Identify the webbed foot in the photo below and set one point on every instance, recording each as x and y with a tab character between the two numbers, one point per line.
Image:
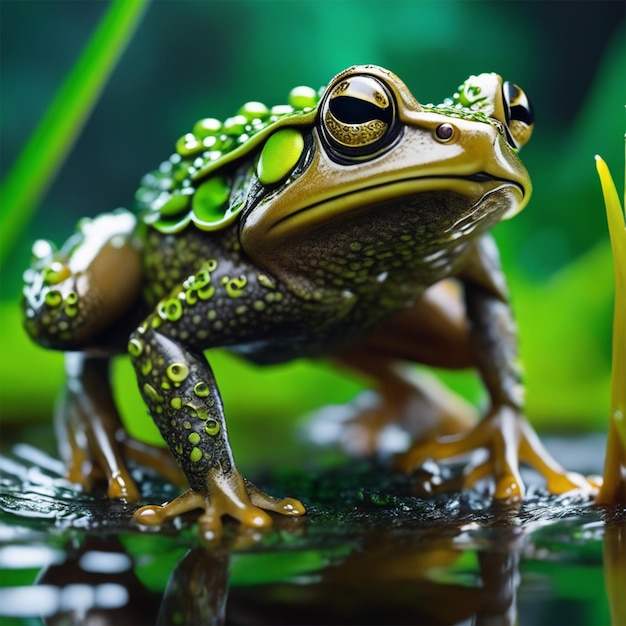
226	495
510	441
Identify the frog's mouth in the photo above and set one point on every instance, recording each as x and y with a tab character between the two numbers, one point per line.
473	188
324	191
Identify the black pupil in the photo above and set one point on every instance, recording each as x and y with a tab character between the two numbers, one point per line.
349	110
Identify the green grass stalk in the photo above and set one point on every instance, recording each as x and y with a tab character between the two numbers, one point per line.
53	139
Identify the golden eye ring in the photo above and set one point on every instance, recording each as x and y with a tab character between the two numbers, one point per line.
358	118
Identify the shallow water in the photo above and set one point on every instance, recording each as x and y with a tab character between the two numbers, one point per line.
369	551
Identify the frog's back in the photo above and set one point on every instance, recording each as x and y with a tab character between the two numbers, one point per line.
206	181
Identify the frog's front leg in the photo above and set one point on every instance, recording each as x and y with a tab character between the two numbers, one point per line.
179	388
503	432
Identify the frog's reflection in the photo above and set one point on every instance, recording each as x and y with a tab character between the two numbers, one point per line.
400	584
197	589
449	574
386	579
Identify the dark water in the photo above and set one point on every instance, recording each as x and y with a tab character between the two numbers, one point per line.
368	552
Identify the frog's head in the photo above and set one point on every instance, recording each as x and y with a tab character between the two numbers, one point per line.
363	154
374	147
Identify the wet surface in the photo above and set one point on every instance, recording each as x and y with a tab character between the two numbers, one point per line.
370	551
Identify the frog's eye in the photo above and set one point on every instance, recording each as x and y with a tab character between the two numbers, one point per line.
358	118
519	114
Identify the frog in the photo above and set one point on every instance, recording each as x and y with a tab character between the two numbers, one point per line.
352	224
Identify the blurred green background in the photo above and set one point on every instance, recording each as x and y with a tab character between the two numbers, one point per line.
193	59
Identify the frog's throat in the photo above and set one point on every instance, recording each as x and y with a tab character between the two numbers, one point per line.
474	188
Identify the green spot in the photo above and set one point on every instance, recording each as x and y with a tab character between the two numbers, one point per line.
171	310
254	111
188	144
175	204
207	127
198	280
279	155
151	394
135	347
303	97
191	297
199	286
201	413
53	298
266	281
146	367
187	424
194	438
210	200
195	455
55	273
212	427
206	293
176	403
177	372
234	286
279	110
201	389
235	125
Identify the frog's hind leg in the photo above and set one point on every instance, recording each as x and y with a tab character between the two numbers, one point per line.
407	405
503	434
93	442
81	296
89	429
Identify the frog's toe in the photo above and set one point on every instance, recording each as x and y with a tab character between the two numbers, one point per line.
123	487
232	497
509	441
558	479
285	506
155	515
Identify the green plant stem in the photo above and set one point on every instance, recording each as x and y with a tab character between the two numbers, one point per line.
614	486
53	139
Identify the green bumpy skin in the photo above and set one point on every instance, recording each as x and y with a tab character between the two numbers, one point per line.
170	197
